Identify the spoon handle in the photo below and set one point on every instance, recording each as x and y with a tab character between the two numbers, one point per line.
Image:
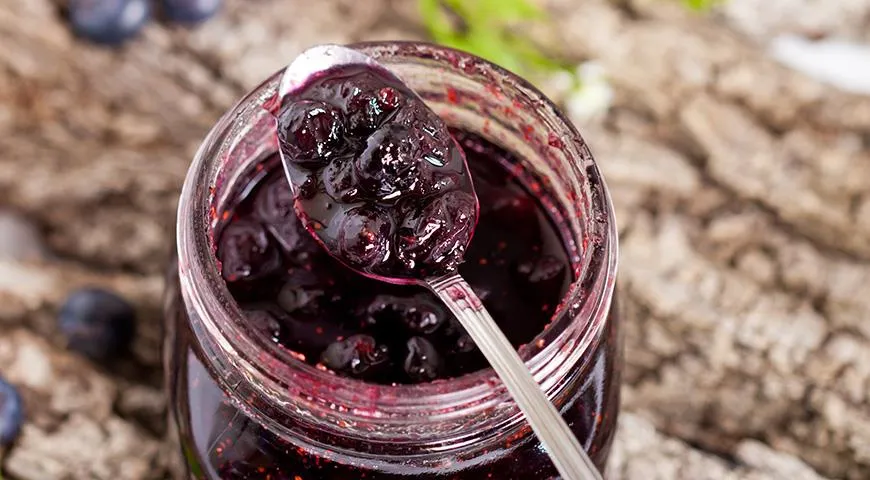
562	446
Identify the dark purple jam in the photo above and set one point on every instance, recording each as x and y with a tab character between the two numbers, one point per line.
299	297
378	179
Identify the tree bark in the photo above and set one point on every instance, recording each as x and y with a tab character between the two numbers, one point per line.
742	192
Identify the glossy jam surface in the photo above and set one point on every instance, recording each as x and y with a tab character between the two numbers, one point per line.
305	301
378	179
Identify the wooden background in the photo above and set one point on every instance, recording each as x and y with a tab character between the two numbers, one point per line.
742	192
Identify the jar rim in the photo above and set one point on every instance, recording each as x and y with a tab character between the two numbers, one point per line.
284	379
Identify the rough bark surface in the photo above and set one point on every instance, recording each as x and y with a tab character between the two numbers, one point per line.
742	191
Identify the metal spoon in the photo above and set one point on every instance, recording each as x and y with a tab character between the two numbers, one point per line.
560	443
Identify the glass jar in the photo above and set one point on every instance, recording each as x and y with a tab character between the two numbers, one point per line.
245	409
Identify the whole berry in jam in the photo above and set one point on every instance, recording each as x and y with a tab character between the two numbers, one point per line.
191	11
273	206
340	181
108	22
441	230
311	133
264	321
379	180
422	362
355	356
246	252
417	313
367	109
302	292
363	236
97	323
11	413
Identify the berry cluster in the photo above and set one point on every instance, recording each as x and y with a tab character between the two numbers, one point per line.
378	178
112	22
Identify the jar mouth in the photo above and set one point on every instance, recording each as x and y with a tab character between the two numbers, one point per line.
284	382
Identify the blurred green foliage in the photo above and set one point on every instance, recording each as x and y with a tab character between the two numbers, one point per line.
701	5
488	29
492	29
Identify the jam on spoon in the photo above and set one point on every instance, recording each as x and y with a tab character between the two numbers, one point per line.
383	187
379	181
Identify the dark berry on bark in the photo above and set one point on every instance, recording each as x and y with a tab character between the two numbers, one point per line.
97	323
11	413
191	11
422	362
109	22
364	237
310	132
355	355
246	252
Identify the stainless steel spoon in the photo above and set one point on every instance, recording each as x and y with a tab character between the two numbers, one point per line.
561	445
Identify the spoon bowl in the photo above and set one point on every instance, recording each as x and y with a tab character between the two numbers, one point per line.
378	180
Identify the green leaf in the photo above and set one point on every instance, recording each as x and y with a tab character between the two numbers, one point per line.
492	46
701	5
490	29
435	19
502	11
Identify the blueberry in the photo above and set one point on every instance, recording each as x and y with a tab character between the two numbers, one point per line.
190	11
302	292
313	335
388	169
273	205
367	110
265	322
354	355
422	363
309	188
246	252
310	132
464	344
363	237
417	313
339	181
545	272
436	236
109	22
11	413
97	323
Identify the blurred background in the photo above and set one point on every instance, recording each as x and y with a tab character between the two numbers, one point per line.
734	135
